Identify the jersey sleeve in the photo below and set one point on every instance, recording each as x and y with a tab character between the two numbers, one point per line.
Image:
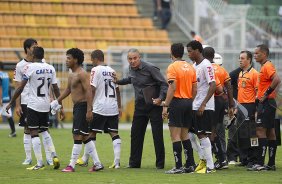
217	81
17	74
270	70
93	77
171	73
27	72
255	79
54	79
194	79
226	76
209	73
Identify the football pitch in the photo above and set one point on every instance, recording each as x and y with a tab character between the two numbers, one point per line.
12	155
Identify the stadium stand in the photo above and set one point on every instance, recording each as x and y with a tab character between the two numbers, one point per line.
86	24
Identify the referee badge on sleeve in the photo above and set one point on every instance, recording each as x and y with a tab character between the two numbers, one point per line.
254	141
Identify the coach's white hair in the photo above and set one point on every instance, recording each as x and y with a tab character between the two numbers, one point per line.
133	50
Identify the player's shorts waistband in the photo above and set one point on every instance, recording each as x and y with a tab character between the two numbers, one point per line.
80	104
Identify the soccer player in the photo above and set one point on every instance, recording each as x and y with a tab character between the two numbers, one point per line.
203	104
224	79
182	89
39	75
106	104
247	91
5	98
267	82
79	88
21	106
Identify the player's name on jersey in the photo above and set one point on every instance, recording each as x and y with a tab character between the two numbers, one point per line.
105	73
42	71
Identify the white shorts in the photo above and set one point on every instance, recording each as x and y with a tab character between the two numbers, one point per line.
3	111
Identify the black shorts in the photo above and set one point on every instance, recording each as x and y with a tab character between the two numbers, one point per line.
37	120
102	123
246	126
266	114
80	125
219	111
180	113
203	124
22	122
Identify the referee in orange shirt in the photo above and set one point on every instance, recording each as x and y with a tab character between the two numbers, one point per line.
182	89
268	80
247	89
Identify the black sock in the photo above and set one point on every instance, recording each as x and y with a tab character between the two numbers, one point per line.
261	150
272	146
188	153
12	124
219	154
177	150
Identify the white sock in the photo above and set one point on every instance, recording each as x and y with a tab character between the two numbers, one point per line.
85	156
47	151
117	148
27	145
196	145
206	147
90	149
47	139
37	150
76	149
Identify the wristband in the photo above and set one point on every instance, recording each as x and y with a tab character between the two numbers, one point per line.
268	91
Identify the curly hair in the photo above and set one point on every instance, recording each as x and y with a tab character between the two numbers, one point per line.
195	45
76	54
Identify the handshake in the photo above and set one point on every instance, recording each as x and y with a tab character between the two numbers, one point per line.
55	106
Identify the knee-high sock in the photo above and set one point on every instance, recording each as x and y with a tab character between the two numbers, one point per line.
117	147
90	149
206	147
47	139
85	156
27	145
272	146
261	150
188	153
76	149
37	150
177	150
12	124
196	145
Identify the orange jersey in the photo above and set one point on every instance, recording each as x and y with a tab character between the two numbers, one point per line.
247	86
185	76
267	70
221	75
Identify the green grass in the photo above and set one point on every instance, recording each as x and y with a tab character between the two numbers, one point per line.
12	155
